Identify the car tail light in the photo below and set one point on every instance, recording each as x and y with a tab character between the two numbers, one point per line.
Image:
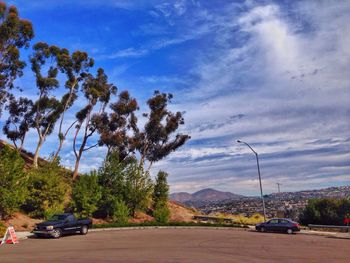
296	225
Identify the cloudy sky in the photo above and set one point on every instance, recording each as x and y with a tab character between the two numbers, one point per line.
275	74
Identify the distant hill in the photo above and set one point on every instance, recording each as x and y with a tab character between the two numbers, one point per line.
203	196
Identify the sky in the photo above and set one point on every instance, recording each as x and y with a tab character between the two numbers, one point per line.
275	74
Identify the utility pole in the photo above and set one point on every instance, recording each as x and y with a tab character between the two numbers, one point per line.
278	184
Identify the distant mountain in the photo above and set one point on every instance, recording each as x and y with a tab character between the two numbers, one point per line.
203	196
181	197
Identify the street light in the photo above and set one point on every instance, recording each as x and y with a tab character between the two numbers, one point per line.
257	162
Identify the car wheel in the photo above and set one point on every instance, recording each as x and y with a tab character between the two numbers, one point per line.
57	233
84	230
289	231
262	229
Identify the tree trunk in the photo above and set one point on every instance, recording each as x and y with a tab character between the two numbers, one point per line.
76	169
58	150
36	154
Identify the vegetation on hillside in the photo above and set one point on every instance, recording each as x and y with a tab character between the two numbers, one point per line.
326	211
106	117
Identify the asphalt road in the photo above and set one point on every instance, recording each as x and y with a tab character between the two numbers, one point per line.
180	245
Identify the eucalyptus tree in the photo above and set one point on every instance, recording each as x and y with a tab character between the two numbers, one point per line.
114	128
15	33
46	109
75	67
159	137
19	120
97	92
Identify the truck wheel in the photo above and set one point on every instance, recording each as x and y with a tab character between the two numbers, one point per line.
57	233
84	230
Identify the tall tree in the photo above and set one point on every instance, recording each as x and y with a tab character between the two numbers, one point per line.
138	187
47	109
159	138
15	33
19	120
97	92
114	128
75	67
161	188
161	210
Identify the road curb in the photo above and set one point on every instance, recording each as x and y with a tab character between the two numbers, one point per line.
164	227
25	234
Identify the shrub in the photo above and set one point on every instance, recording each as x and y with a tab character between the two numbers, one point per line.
138	188
326	211
123	181
161	188
121	212
86	195
111	179
13	181
2	229
49	190
161	213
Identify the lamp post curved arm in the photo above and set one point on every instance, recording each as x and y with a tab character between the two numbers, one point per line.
257	163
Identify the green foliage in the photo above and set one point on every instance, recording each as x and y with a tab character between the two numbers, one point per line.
19	120
161	212
126	182
111	179
2	229
96	90
159	137
15	33
12	181
161	188
86	195
121	212
49	190
325	211
160	198
138	187
153	223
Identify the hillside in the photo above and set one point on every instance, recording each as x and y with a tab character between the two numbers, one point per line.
178	213
204	195
27	156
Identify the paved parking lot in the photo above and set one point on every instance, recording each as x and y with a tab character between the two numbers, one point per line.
180	245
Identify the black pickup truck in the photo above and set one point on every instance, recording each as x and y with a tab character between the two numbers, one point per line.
62	224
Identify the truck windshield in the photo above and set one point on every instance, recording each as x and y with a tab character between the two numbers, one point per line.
58	218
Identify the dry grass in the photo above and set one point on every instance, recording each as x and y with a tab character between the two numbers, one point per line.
253	220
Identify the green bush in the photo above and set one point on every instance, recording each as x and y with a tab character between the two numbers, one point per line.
2	229
13	181
161	188
86	195
160	198
111	179
48	190
138	188
161	213
121	212
326	211
126	182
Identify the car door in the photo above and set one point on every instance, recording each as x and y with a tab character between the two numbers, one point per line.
70	224
283	225
272	225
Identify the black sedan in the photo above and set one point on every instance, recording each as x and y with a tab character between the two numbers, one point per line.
278	225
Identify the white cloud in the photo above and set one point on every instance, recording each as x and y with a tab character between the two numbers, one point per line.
292	86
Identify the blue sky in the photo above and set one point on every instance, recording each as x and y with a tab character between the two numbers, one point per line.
272	73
